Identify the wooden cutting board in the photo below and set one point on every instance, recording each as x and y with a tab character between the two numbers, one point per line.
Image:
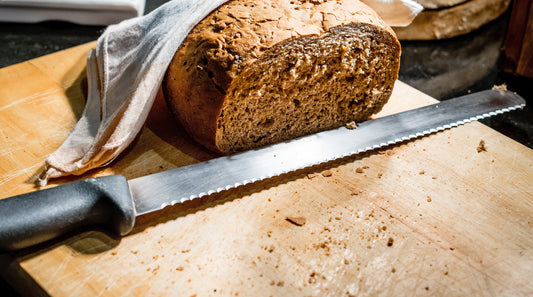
431	217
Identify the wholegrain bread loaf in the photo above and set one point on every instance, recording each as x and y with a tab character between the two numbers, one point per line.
253	73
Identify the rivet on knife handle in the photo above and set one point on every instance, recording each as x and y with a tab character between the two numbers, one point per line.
36	217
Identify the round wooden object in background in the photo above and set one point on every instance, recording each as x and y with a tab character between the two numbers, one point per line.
434	4
453	21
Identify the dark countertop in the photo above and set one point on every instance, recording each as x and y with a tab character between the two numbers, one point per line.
443	69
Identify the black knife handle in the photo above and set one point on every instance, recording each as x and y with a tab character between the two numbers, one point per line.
39	216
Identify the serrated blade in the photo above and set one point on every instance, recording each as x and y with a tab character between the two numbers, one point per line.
156	191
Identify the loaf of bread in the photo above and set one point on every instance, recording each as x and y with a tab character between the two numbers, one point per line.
253	73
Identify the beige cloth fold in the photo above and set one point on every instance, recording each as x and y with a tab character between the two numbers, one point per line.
124	74
396	13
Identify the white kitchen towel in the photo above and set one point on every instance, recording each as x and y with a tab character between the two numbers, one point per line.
124	73
86	12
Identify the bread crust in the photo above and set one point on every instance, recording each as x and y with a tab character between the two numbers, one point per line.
234	38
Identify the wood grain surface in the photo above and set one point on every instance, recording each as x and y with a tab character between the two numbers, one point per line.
430	217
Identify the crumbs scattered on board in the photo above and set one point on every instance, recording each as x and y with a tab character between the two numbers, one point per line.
326	173
502	87
351	125
311	175
298	221
481	147
361	169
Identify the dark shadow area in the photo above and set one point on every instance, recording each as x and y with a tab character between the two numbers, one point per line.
21	42
14	281
167	127
465	64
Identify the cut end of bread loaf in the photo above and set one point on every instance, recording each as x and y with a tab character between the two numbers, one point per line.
257	72
309	84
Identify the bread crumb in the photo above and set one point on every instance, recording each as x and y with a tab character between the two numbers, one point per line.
359	170
298	221
351	125
327	173
422	172
390	242
481	147
311	175
179	268
380	175
502	87
429	199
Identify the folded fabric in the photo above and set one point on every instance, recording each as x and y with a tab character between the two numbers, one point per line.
124	73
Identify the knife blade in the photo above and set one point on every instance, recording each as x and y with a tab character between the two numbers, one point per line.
113	203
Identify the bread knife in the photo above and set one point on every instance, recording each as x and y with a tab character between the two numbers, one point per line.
112	203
